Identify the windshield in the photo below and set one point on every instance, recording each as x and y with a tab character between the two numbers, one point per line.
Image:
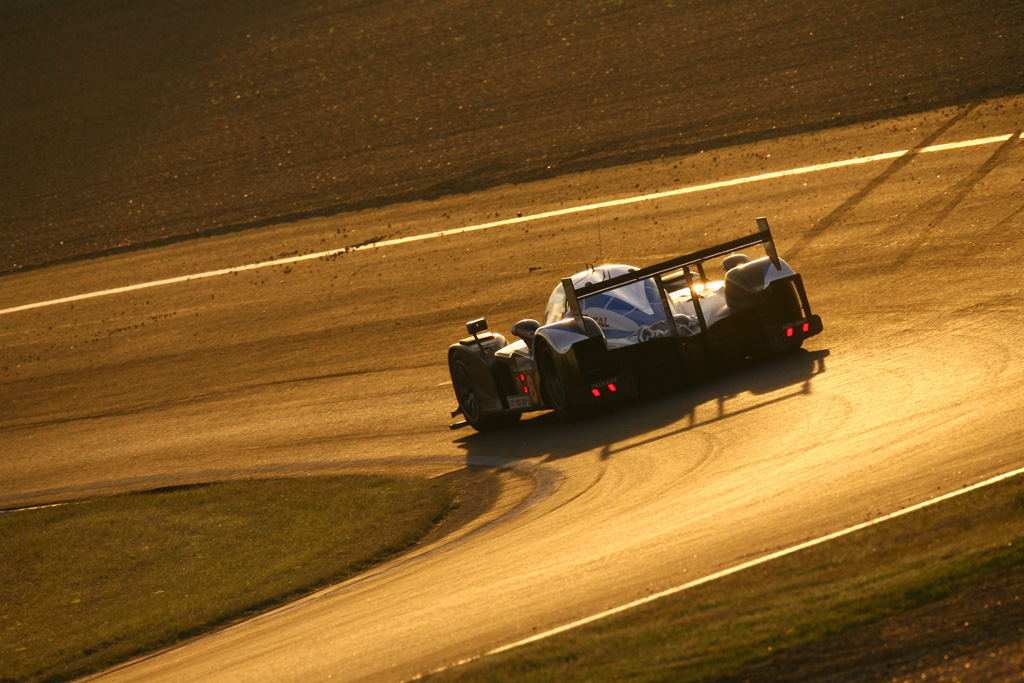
621	312
557	307
634	313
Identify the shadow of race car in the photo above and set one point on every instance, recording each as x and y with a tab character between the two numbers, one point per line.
614	332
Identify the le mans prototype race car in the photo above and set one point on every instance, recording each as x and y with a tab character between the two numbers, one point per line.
615	331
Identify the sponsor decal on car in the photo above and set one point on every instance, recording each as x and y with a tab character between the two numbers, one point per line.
529	384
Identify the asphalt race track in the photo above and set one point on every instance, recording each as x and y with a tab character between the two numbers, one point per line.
333	364
911	255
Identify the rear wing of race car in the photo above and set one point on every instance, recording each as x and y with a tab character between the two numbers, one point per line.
680	264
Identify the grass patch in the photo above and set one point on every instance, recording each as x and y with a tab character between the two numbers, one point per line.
715	629
86	585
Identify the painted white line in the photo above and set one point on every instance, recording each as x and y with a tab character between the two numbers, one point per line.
692	189
738	568
519	219
169	281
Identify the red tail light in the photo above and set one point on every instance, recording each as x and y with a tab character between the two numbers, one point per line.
612	388
595	392
807	327
789	331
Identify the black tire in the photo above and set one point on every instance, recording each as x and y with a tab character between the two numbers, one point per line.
468	395
554	388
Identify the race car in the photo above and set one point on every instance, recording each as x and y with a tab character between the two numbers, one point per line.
615	331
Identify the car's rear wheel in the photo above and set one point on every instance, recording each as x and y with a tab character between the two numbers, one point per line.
554	387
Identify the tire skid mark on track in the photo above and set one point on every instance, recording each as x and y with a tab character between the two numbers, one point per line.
601	471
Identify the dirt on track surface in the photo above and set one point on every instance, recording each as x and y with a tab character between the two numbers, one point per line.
132	123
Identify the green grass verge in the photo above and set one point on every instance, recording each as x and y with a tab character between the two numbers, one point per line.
86	585
715	629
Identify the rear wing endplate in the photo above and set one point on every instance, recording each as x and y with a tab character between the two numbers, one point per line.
769	243
573	303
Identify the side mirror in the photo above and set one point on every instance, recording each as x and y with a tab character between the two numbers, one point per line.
526	330
475	327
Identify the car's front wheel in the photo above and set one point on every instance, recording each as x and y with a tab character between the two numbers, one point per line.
468	394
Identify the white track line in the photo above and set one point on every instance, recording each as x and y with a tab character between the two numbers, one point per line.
739	568
519	219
